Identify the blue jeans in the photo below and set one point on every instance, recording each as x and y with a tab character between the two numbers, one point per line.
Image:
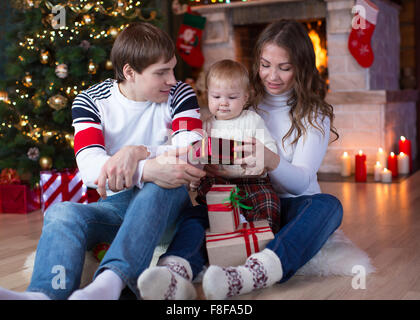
133	221
306	224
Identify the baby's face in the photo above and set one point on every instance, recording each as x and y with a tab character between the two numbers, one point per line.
226	101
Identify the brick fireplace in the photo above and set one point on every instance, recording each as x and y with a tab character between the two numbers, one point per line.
371	111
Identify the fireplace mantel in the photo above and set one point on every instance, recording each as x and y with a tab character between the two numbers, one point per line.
249	3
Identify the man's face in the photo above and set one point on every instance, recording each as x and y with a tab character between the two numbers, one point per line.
155	82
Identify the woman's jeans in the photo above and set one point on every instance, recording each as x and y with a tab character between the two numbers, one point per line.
133	221
307	222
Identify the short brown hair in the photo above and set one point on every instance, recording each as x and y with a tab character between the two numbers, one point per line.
141	44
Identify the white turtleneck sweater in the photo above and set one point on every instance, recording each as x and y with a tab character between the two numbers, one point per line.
296	173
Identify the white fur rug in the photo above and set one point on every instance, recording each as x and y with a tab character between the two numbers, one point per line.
337	257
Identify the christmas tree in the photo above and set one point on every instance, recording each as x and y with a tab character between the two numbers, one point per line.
56	49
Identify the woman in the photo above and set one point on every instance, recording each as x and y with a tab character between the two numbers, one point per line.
290	98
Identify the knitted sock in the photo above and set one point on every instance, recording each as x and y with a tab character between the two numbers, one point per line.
261	269
27	295
169	280
106	286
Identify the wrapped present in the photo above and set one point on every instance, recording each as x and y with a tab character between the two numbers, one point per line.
214	151
223	205
92	195
59	186
233	248
19	198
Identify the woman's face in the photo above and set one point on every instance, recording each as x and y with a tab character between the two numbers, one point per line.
276	71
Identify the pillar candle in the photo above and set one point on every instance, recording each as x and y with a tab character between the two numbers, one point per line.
405	146
345	165
377	171
393	164
403	163
381	157
386	176
360	167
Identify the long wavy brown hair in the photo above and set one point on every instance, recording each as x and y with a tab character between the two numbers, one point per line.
307	100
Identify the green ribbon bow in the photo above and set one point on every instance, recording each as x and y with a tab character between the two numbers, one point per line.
234	199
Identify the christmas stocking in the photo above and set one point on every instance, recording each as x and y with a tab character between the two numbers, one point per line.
363	25
189	40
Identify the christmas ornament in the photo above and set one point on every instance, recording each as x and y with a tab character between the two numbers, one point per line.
108	65
33	153
85	45
45	56
363	25
57	102
61	71
120	6
45	163
189	40
27	80
36	100
113	32
4	97
92	67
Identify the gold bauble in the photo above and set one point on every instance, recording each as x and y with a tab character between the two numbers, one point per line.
45	163
27	80
113	32
45	56
88	19
92	68
57	102
108	65
4	97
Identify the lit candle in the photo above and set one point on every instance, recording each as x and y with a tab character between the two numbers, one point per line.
360	167
381	157
377	171
403	163
393	164
345	165
405	146
386	176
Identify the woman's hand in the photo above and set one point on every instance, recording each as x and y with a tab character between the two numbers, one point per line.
120	168
170	171
257	157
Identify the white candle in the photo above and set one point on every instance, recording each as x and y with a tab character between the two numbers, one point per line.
403	163
386	176
345	165
381	156
377	171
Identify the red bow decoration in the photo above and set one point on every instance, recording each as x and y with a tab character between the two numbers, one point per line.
9	176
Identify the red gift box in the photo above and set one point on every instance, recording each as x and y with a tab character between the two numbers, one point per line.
60	186
19	198
214	151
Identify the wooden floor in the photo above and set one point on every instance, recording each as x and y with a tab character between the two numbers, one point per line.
381	219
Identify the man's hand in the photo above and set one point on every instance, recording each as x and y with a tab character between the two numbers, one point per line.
120	168
170	171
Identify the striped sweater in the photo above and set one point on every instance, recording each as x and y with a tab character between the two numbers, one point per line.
104	121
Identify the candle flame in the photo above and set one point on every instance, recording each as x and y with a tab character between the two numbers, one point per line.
381	150
402	138
345	154
360	152
392	154
378	163
402	154
385	170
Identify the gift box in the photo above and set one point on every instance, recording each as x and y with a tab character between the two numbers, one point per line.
223	209
233	248
19	198
59	186
214	151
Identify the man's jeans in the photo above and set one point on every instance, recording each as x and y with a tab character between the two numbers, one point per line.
307	222
133	220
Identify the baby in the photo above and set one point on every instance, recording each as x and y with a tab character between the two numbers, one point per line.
228	93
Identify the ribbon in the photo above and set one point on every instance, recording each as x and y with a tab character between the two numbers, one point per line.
248	230
234	199
9	176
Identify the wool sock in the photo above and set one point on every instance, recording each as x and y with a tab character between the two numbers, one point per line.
106	286
261	269
169	280
6	294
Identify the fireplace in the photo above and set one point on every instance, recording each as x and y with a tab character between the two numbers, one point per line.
371	111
